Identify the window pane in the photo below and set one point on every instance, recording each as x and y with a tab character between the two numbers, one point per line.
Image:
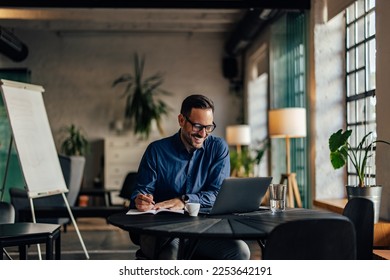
360	131
361	82
370	28
351	112
359	8
370	4
360	110
372	127
351	35
351	60
360	56
360	30
352	180
301	83
371	114
351	85
350	13
371	65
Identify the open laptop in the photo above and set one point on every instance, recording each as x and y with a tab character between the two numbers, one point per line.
239	195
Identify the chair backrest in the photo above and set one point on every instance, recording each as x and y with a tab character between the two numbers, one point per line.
73	170
315	239
128	185
125	193
361	212
7	213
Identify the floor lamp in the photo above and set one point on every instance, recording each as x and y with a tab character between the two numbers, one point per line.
288	123
238	135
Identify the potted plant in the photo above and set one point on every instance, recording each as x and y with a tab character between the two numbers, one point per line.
75	147
361	157
75	143
242	164
142	106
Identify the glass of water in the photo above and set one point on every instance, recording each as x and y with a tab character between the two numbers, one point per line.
277	196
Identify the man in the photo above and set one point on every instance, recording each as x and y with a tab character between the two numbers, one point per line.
186	167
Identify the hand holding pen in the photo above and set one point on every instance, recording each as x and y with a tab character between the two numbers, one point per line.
144	201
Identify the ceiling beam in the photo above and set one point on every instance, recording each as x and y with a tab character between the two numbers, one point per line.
201	4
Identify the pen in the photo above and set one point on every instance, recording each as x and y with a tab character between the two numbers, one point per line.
142	192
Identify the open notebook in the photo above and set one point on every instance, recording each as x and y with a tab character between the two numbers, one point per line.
136	212
239	195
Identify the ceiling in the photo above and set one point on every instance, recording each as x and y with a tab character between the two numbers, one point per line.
135	15
240	20
121	20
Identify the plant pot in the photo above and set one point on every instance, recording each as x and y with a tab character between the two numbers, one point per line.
371	193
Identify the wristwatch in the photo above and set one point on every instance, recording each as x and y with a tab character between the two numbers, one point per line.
185	198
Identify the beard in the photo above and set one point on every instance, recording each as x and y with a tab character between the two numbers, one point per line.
193	139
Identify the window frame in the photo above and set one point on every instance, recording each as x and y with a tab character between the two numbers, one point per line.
360	107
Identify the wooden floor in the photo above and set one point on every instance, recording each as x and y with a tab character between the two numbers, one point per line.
102	241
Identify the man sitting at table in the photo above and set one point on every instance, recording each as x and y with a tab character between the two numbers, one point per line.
188	166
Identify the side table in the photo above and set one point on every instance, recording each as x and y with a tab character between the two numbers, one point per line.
23	234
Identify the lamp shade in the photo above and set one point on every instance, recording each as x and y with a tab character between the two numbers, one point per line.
238	135
287	122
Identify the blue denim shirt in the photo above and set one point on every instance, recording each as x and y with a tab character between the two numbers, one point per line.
167	170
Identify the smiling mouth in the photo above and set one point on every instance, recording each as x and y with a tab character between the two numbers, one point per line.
198	138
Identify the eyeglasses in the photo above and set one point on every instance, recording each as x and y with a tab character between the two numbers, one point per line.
196	127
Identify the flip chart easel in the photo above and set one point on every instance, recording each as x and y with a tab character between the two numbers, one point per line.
34	144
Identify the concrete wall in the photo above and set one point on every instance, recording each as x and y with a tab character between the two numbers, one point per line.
77	70
327	101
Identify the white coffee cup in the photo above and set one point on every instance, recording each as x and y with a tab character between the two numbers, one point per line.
192	208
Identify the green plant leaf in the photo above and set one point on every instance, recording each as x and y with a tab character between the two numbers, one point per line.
339	139
142	105
337	160
341	151
74	144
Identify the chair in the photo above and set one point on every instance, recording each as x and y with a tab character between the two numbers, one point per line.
73	169
25	234
7	216
125	193
7	213
314	239
128	185
361	212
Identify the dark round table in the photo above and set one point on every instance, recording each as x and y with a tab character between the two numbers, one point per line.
247	226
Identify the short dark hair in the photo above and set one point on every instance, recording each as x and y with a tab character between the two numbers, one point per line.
196	101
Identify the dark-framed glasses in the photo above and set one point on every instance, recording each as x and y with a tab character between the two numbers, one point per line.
196	127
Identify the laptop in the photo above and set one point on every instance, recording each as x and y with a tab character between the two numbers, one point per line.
239	195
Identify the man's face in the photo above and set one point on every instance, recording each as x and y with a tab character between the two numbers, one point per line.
194	138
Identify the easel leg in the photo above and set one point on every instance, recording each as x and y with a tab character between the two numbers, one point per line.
75	226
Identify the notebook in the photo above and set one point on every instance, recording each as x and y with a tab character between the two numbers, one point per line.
239	195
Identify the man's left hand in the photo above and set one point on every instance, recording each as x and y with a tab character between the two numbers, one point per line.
174	204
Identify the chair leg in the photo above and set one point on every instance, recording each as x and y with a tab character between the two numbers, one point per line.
6	254
23	252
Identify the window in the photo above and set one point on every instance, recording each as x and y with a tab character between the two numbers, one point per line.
288	89
360	75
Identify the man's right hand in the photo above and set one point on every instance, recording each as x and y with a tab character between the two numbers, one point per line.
144	202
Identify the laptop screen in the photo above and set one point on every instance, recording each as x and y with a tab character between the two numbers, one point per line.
239	195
